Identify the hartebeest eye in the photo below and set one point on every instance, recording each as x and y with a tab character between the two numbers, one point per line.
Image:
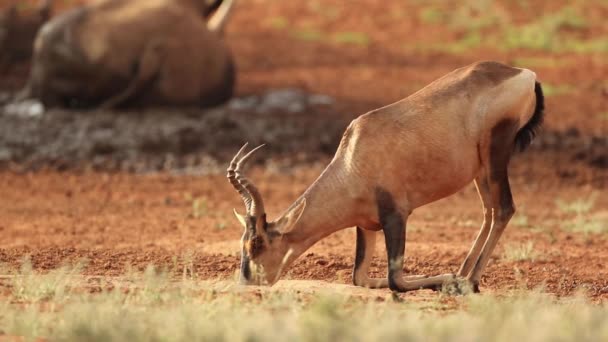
254	246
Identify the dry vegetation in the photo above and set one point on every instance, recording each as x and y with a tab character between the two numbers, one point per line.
150	306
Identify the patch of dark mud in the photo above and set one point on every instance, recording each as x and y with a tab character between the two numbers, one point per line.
295	126
588	149
164	139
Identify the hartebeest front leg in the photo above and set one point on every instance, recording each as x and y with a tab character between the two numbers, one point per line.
393	224
366	245
364	251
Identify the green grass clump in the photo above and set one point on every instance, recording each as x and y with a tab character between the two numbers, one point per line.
278	22
520	252
545	33
199	207
308	34
355	38
556	90
431	15
583	220
487	23
579	206
540	62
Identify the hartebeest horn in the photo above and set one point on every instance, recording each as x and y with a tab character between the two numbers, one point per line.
218	21
250	194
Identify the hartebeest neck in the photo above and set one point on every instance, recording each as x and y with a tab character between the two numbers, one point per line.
328	209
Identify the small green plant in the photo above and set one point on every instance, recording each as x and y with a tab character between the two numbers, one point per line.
188	270
579	206
556	90
324	9
308	34
545	33
431	15
520	220
520	252
278	22
199	207
583	221
354	38
586	225
541	62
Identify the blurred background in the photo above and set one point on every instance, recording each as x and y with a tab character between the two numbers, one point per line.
305	69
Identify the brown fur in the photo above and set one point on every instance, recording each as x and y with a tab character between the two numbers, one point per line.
118	53
461	127
17	33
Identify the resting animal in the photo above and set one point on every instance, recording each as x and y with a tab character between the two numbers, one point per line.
121	53
460	128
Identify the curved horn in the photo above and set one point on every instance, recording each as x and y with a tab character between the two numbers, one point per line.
217	23
257	204
250	194
234	181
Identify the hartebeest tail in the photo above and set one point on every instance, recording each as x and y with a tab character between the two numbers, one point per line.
460	128
527	133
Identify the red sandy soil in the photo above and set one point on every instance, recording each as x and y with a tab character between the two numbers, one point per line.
115	220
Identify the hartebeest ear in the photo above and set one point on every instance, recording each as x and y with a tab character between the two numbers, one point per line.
286	223
242	218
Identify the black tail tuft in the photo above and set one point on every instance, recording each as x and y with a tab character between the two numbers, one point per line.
528	132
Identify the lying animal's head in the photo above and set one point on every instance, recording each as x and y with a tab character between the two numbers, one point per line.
264	249
18	31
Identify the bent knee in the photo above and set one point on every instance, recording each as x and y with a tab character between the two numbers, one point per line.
505	212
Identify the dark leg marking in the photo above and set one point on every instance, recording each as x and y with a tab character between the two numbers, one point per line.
502	140
245	268
501	148
359	249
393	226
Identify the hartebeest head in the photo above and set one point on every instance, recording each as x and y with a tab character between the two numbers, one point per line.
263	249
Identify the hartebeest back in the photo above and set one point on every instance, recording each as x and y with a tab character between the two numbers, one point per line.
462	127
116	53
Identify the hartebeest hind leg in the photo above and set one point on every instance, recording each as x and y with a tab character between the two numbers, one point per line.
502	211
366	245
481	183
495	193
